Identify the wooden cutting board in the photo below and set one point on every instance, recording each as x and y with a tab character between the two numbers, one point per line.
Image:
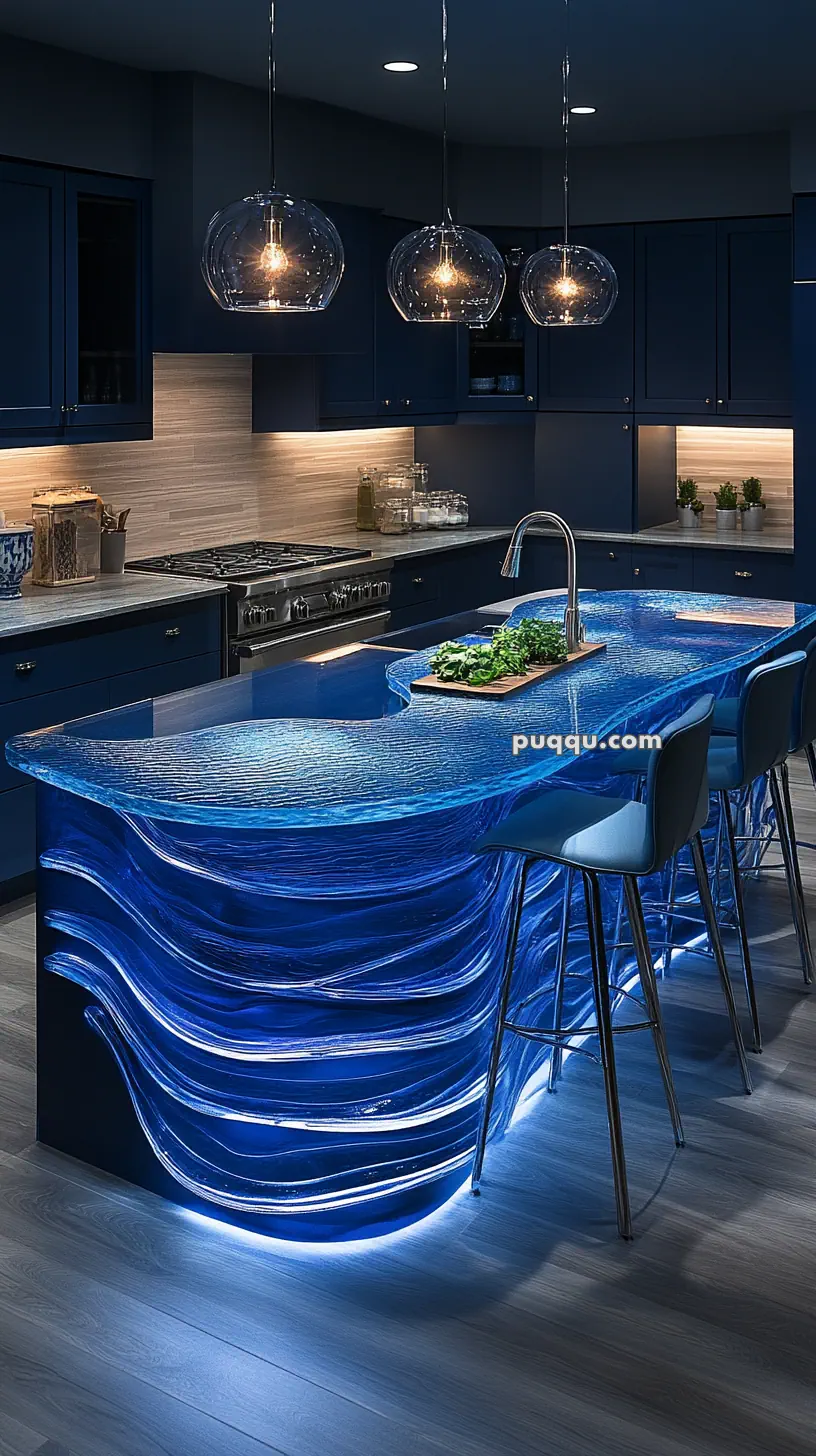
504	686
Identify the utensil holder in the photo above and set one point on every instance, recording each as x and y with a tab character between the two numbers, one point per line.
112	553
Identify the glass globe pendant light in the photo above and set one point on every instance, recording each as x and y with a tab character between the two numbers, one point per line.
446	273
566	283
272	253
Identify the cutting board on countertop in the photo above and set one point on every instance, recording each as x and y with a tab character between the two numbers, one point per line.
504	686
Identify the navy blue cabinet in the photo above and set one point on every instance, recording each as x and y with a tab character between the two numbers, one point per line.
77	354
445	582
593	368
415	363
584	469
662	568
57	676
744	573
498	363
108	353
32	320
676	318
754	365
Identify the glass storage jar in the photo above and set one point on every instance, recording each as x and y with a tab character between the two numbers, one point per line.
458	511
395	516
67	530
367	477
437	510
392	485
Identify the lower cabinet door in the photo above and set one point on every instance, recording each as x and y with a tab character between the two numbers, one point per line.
18	835
744	573
604	565
170	677
45	711
662	568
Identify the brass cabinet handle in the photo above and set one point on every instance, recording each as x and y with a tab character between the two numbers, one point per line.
173	632
386	402
720	401
637	571
530	399
417	581
626	427
612	556
627	399
708	399
744	573
22	667
406	402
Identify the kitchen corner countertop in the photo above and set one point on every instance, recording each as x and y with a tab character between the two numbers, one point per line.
415	543
42	607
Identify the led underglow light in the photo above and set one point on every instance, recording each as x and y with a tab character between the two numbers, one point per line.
400	66
583	110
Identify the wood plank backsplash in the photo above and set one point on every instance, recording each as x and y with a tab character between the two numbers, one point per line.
712	455
205	479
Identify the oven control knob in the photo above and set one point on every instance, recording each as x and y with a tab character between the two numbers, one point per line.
268	615
385	588
300	609
366	590
355	593
254	616
334	600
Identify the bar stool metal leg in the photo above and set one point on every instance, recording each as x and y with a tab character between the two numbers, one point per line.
715	939
668	948
810	755
783	808
745	952
557	1059
648	982
501	1014
600	985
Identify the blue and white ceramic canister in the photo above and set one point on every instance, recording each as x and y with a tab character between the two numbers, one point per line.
16	556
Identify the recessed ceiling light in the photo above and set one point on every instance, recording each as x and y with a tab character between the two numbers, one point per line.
400	66
583	110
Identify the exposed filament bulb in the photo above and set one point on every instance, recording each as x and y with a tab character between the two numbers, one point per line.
566	287
444	274
273	260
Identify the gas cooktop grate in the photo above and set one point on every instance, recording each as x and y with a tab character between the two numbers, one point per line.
245	560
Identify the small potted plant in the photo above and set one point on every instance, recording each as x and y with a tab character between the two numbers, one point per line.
689	508
725	500
752	505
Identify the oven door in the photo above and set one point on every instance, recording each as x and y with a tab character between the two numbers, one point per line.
282	647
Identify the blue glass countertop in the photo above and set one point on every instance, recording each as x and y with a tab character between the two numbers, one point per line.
347	740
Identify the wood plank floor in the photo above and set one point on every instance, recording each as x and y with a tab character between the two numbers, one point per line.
513	1325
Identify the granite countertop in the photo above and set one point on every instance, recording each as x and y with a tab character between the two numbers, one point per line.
421	543
415	543
41	607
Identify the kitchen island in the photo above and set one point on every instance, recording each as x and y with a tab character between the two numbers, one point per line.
267	953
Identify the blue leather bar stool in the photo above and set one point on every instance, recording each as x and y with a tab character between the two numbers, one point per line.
802	737
758	746
595	834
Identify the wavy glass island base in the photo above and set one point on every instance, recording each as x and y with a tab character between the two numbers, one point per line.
268	956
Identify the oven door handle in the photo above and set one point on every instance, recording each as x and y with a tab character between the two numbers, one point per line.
254	649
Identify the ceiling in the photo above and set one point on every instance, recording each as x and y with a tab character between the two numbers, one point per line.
654	69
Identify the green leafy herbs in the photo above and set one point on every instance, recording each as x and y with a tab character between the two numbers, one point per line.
725	497
509	653
751	494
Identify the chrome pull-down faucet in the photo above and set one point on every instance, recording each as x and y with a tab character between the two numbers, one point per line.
573	626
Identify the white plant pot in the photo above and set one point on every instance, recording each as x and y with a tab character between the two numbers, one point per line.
689	520
753	519
726	520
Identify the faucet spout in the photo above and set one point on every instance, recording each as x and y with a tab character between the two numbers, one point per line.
573	626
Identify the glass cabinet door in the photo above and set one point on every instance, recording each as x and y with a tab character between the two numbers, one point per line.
108	364
498	362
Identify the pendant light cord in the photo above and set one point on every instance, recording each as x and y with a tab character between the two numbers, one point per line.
446	212
272	79
565	115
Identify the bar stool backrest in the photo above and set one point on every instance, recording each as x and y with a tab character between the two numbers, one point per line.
677	781
765	714
803	729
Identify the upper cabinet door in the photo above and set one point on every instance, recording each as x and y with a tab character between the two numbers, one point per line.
32	320
108	373
593	368
415	363
676	318
498	363
755	308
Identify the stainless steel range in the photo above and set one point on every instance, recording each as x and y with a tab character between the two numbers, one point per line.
285	600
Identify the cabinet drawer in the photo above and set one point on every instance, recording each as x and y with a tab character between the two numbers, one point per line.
40	663
604	566
44	711
414	584
18	834
171	677
155	638
662	568
744	573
